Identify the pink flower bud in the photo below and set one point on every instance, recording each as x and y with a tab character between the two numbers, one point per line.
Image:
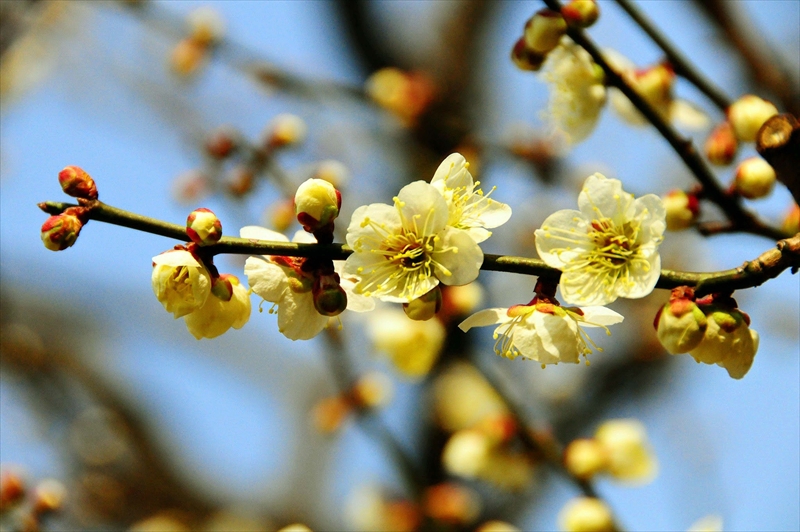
524	58
203	227
755	178
748	114
425	306
330	299
61	231
544	30
682	209
77	183
581	13
721	145
317	204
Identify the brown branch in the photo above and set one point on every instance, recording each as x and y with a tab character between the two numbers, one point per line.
778	141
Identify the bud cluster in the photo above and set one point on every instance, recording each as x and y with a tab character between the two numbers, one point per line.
712	329
61	231
544	30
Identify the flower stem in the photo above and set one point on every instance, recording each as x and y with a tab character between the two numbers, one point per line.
753	273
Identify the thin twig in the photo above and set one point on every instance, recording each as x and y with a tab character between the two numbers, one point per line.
680	63
742	219
768	265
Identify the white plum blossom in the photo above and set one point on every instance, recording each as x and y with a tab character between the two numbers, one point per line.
469	208
403	251
218	315
542	331
280	280
180	282
577	92
608	248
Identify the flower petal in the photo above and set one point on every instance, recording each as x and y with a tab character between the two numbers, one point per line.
562	237
261	233
598	316
559	337
366	223
297	317
453	172
422	208
602	197
484	318
460	261
266	279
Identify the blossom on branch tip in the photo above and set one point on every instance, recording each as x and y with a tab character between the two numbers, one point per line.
403	251
227	306
577	92
180	282
542	331
469	209
608	248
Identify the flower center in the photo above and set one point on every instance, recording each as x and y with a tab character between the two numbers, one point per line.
614	245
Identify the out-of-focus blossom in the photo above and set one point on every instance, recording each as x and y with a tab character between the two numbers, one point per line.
681	208
585	457
369	510
630	457
748	114
577	92
581	13
755	178
791	222
405	94
721	146
607	249
412	346
462	398
586	514
206	26
544	30
451	503
709	523
284	130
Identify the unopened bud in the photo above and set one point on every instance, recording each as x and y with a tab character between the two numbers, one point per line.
284	130
630	457
372	390
721	145
61	231
203	227
654	84
680	324
585	457
682	209
748	114
586	514
317	204
48	496
581	13
222	287
791	224
525	58
329	298
451	503
221	142
328	414
206	26
187	57
12	488
466	453
77	183
425	306
754	178
544	30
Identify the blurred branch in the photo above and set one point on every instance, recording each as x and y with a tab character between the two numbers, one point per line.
680	63
764	66
767	266
742	219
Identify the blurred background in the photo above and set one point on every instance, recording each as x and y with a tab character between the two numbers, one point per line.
103	391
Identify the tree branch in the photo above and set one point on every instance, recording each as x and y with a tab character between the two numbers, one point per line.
680	64
742	219
753	273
